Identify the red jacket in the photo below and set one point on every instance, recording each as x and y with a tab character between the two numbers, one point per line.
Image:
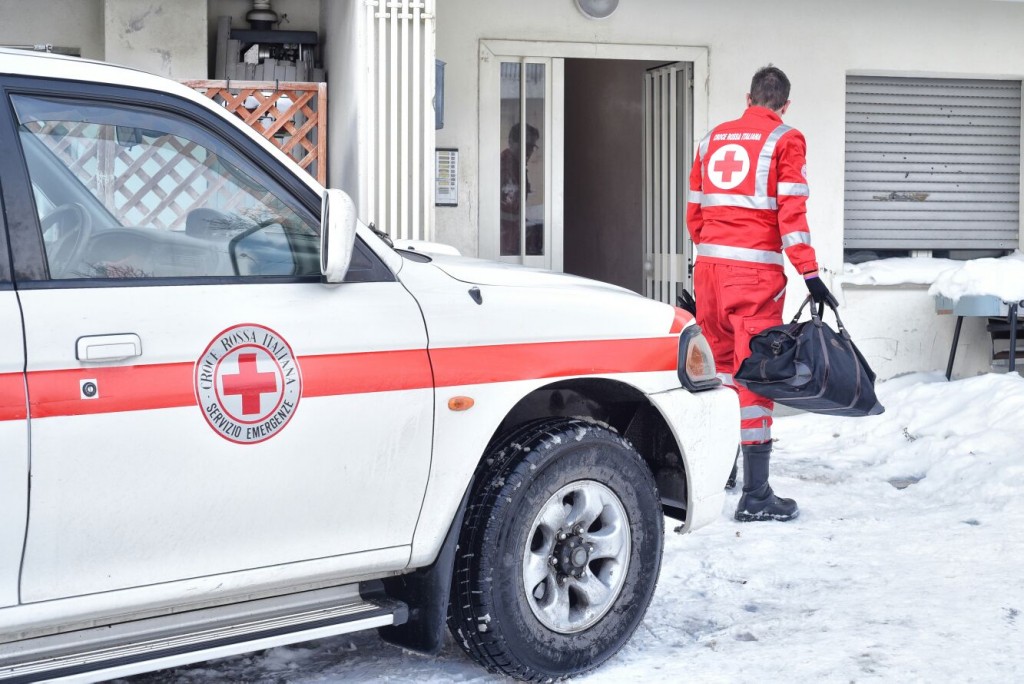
748	194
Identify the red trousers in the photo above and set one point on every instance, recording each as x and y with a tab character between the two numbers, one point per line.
734	303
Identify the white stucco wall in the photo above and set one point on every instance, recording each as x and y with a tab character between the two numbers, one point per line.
165	37
77	24
907	334
817	43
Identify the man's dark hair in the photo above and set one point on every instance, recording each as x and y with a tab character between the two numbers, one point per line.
531	134
769	88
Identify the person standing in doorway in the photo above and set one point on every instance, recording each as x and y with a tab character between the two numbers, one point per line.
511	190
747	204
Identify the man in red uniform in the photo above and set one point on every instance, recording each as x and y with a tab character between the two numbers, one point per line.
748	196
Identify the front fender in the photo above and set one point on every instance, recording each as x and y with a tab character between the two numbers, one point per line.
701	422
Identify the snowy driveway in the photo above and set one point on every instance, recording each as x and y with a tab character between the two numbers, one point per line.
871	583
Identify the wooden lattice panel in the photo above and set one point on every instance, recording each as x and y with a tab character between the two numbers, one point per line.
155	184
293	116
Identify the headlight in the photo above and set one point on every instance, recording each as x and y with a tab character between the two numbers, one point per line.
696	365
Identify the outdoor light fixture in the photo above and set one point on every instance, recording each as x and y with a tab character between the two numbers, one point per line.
261	17
597	9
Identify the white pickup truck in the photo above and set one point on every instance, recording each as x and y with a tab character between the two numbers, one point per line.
234	418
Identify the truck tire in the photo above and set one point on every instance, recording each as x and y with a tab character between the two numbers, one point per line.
559	552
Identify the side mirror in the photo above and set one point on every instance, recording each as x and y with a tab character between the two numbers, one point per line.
337	234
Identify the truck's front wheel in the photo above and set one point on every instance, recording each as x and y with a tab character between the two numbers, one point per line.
559	553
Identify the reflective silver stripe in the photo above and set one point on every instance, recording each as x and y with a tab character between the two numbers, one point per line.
797	189
759	256
764	160
779	296
758	435
703	147
799	237
726	379
696	197
746	201
748	412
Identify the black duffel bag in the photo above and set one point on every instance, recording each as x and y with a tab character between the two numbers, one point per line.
811	367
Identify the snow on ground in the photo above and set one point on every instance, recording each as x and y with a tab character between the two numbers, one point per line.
905	565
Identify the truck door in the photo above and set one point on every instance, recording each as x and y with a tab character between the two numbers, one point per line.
13	431
200	403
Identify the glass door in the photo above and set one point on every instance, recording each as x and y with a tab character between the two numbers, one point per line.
521	169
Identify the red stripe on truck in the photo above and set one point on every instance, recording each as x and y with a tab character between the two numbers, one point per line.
504	363
171	385
12	396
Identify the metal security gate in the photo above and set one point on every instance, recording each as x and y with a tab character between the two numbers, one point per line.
932	163
399	116
668	153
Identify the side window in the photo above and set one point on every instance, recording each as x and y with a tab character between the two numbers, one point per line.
129	193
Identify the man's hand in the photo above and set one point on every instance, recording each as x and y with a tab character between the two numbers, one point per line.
819	293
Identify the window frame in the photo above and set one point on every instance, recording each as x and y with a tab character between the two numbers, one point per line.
28	256
5	254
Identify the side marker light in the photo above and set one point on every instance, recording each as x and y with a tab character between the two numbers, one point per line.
460	403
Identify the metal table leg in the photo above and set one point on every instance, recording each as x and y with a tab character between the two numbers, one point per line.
1013	337
952	349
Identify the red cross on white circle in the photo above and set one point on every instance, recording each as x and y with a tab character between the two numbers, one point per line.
728	166
250	384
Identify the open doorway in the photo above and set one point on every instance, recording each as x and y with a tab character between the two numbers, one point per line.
614	188
604	176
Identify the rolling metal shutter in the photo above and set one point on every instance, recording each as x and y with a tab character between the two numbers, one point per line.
932	163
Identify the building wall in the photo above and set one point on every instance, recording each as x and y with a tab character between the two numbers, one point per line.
165	37
61	23
909	336
816	43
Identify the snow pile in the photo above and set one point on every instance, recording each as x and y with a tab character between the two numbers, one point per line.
905	564
897	271
1002	277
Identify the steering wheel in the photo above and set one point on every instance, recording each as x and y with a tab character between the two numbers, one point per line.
72	226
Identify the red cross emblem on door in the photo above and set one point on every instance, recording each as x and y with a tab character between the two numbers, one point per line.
728	166
248	383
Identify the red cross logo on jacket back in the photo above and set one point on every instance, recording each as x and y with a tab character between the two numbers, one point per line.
728	166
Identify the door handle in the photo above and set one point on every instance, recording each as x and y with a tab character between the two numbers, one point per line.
108	347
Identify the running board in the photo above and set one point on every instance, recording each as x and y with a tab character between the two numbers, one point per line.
173	640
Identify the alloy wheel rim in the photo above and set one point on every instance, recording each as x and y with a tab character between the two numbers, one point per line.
576	556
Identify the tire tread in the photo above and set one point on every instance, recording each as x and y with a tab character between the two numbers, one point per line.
508	463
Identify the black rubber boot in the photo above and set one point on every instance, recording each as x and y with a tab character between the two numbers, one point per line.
758	501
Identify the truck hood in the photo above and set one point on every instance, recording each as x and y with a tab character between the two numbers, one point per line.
484	272
489	303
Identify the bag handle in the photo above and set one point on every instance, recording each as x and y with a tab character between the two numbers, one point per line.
817	314
816	317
